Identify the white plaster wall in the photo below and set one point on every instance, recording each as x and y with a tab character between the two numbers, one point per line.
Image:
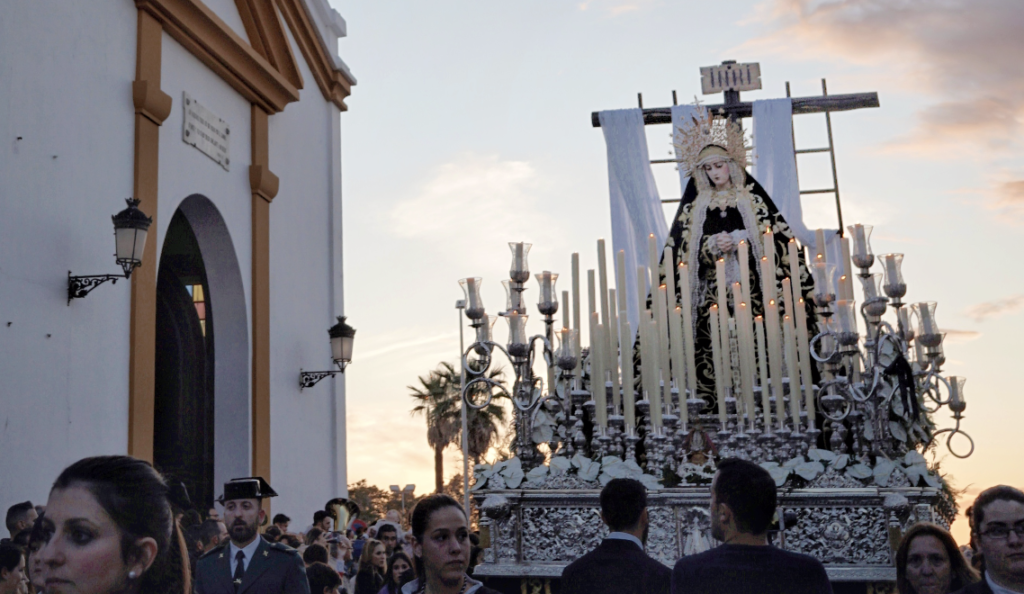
228	12
308	448
184	171
65	88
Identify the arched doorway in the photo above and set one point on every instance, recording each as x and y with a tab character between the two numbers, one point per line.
202	409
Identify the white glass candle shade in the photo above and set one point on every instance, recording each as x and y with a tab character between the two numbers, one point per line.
484	328
824	283
517	340
894	285
903	316
548	300
474	304
565	354
875	303
520	270
956	394
862	256
846	322
927	329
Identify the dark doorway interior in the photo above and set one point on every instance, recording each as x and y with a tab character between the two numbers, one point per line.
184	423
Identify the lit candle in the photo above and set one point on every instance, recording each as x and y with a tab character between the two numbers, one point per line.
794	268
743	253
769	245
771	320
819	245
847	269
716	355
691	356
652	254
767	280
628	396
766	408
646	355
803	343
794	373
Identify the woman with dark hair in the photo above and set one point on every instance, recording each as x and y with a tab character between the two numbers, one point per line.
442	549
12	569
316	536
110	527
322	579
399	572
929	562
372	565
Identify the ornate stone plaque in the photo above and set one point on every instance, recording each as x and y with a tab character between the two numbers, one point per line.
206	131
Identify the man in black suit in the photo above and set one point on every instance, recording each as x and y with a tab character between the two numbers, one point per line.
743	501
997	520
249	564
619	565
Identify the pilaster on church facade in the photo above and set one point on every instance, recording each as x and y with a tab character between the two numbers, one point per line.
223	119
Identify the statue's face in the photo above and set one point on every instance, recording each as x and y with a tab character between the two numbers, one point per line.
718	172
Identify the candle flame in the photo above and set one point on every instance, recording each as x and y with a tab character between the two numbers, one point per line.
764	258
771	302
714	307
758	318
743	303
767	229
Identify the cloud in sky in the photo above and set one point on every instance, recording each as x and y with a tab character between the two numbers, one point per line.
962	55
992	309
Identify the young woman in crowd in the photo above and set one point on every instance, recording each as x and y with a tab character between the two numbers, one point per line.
109	528
372	566
929	562
399	565
442	549
13	579
322	579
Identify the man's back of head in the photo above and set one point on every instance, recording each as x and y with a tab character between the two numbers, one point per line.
623	502
212	533
743	501
19	517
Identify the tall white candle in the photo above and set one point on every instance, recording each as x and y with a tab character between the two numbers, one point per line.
628	398
663	343
847	268
762	357
602	275
794	373
621	290
794	268
743	253
716	355
565	309
597	370
652	253
691	356
769	245
746	360
576	317
612	331
803	344
771	322
655	395
676	325
819	245
723	308
591	292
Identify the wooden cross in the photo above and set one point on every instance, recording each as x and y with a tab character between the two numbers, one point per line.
729	79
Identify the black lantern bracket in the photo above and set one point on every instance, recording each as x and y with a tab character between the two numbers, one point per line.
308	379
130	228
80	286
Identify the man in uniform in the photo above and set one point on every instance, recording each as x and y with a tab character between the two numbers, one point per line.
248	564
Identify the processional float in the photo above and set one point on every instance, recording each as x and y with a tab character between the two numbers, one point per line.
838	406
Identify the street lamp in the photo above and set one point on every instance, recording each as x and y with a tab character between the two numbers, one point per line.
342	336
131	226
407	490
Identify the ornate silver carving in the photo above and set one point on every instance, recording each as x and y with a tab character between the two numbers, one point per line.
841	535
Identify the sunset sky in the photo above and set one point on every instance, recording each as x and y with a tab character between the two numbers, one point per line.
470	127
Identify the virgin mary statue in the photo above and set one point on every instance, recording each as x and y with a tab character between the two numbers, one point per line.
722	205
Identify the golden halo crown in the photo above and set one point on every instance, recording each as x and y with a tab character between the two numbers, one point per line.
705	129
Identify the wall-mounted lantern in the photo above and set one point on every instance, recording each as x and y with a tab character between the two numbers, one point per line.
342	336
131	226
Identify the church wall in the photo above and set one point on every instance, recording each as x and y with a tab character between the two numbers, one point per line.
66	91
308	452
184	171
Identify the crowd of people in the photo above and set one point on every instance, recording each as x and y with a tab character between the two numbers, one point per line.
113	524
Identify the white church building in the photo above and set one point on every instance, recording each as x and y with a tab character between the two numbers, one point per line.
222	117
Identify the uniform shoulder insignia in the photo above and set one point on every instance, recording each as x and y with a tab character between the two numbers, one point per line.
217	550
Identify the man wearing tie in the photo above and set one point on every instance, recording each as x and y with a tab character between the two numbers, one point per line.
619	565
248	564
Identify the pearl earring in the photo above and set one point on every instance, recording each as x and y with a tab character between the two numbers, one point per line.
132	575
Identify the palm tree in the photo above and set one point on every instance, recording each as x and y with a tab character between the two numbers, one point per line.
438	399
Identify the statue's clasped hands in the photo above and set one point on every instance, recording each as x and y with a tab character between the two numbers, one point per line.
725	243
